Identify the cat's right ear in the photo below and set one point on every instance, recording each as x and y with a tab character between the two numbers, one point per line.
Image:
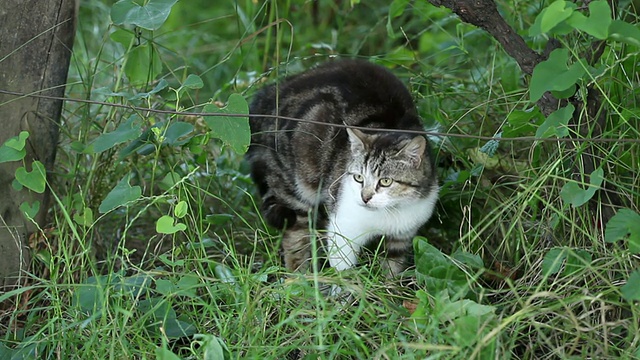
358	140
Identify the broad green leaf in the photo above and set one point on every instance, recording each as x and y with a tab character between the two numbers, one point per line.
214	347
166	225
218	219
30	210
149	16
555	13
631	290
624	32
437	272
17	142
193	82
127	131
9	154
576	260
121	194
89	296
181	209
395	9
552	261
233	131
143	64
85	218
176	131
598	22
162	353
34	180
625	223
554	74
575	195
522	122
175	328
124	37
161	85
556	123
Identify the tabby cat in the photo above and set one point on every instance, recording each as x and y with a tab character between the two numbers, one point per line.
357	186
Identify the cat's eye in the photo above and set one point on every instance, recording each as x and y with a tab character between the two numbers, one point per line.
385	182
358	178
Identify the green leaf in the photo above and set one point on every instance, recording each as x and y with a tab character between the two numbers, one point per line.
554	74
598	22
552	261
162	353
176	131
576	196
395	9
554	14
34	180
436	271
127	131
89	296
30	210
149	16
624	32
233	131
165	225
631	290
121	194
556	123
181	209
625	223
214	347
17	142
193	82
218	219
577	260
85	218
143	64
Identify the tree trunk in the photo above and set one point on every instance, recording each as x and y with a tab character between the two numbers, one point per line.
37	37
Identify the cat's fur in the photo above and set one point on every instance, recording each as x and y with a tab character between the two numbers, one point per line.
335	173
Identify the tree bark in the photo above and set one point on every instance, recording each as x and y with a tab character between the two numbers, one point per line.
37	37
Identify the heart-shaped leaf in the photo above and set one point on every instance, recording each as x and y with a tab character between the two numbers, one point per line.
17	142
127	131
598	22
193	82
165	225
554	74
13	148
234	131
149	16
556	123
143	64
34	180
575	195
625	222
30	210
631	290
120	195
85	218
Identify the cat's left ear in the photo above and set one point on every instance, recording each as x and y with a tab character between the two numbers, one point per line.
359	140
414	150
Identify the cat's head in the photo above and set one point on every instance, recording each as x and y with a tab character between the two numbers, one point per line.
389	168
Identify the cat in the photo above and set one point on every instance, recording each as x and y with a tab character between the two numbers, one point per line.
357	186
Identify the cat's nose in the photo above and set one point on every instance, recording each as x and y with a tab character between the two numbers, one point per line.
366	196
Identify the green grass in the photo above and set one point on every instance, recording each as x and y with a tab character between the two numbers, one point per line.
516	272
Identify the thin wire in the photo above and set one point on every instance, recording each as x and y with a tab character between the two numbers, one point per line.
421	132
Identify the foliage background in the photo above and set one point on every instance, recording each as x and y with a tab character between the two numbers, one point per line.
508	268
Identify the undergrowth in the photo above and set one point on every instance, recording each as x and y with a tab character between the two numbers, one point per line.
156	248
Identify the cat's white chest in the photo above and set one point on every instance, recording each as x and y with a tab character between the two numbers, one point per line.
352	224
